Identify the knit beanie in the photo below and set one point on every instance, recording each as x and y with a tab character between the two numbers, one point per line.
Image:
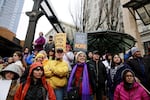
78	53
39	55
127	85
125	71
134	49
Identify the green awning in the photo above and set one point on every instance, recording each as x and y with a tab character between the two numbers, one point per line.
110	41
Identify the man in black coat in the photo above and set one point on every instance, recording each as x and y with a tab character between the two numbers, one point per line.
140	67
100	74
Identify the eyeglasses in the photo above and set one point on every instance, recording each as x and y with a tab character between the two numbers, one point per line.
129	75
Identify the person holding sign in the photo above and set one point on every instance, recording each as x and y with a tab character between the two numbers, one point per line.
68	56
10	72
56	74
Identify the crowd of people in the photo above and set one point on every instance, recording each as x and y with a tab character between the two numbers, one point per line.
48	73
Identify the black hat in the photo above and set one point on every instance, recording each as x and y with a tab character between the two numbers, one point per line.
38	68
52	49
50	36
96	52
59	50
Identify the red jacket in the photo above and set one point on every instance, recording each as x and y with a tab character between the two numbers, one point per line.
22	91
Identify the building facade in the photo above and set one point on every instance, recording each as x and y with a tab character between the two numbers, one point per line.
10	12
145	35
68	28
110	15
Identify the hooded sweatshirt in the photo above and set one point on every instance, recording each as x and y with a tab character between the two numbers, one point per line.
24	87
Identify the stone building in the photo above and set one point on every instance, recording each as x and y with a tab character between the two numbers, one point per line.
110	15
68	28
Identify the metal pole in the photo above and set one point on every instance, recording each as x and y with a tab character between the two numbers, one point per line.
34	15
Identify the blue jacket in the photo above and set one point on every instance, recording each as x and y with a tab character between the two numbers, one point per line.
30	59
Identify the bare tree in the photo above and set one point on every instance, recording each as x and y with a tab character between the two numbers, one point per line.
98	15
76	11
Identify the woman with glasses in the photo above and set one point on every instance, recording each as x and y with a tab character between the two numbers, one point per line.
129	89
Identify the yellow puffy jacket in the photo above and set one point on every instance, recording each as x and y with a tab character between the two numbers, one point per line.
56	73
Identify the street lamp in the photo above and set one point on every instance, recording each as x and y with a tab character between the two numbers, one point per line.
142	7
48	11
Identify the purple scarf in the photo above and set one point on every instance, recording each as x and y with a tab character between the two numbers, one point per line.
85	82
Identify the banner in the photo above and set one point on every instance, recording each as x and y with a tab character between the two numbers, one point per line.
80	42
4	88
60	41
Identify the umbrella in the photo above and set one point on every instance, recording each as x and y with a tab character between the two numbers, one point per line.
110	42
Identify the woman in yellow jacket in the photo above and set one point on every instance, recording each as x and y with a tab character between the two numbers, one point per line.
56	72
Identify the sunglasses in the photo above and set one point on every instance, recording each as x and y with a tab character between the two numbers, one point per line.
39	68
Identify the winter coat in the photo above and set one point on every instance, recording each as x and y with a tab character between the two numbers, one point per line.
135	66
14	85
39	43
49	46
136	93
56	73
117	78
20	65
30	59
28	86
102	73
99	75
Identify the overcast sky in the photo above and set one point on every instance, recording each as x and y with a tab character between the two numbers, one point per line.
62	11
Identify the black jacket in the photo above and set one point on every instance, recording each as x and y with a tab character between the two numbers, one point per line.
36	91
135	66
100	78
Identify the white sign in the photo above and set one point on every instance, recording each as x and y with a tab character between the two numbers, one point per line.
4	88
80	42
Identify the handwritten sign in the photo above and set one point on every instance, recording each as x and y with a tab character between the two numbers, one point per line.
4	88
80	42
60	41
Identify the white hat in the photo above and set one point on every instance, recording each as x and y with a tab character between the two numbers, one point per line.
12	68
134	49
78	53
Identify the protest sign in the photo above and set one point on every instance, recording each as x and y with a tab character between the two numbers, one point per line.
4	88
80	42
60	41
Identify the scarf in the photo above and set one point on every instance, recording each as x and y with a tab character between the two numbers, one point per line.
128	86
85	82
113	71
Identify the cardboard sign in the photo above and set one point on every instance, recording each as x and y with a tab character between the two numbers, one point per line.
60	41
80	42
4	88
